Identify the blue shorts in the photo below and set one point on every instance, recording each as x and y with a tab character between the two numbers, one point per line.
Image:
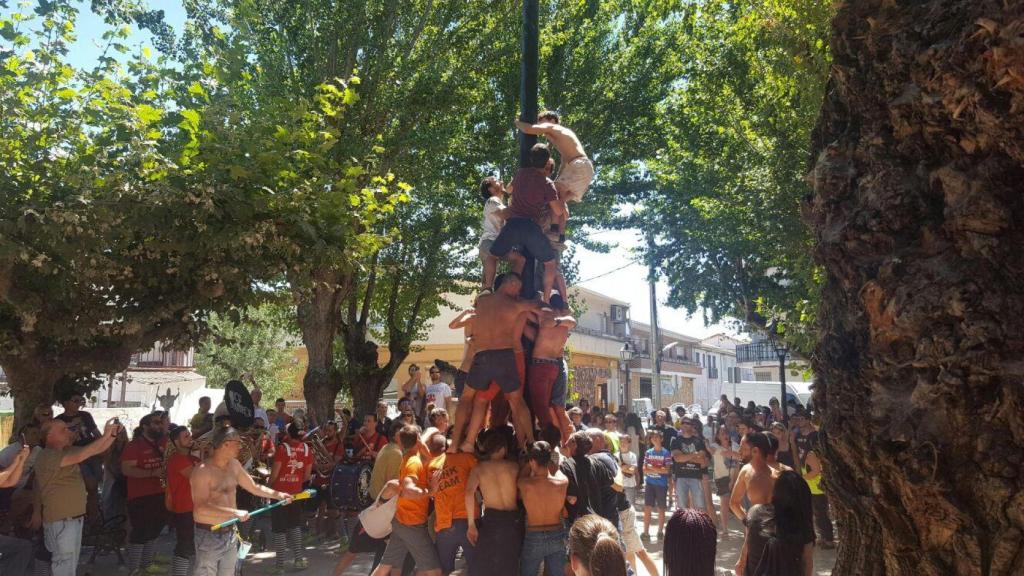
656	496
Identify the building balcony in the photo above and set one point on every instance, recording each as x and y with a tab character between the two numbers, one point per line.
159	358
758	352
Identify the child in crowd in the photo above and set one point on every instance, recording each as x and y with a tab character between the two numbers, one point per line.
656	471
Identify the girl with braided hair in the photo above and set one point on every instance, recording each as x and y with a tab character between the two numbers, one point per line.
691	541
594	548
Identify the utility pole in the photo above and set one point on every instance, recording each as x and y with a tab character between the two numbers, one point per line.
528	104
652	279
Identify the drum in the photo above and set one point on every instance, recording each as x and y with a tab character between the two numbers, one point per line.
350	486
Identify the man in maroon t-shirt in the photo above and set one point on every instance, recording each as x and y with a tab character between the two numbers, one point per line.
142	463
532	191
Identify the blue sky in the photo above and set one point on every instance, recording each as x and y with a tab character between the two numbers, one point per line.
604	273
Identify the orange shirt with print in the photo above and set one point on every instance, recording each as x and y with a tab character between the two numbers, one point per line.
450	498
413	511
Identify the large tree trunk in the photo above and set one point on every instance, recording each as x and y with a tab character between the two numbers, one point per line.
367	379
319	317
31	381
918	213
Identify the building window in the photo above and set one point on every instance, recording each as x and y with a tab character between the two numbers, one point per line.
762	375
645	389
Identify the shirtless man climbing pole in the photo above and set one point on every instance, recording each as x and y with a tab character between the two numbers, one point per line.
543	491
499	363
498	534
214	484
545	374
576	171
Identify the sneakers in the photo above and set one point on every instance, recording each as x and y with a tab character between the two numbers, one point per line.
301	564
645	537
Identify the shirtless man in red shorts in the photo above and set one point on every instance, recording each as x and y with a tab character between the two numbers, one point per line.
544	369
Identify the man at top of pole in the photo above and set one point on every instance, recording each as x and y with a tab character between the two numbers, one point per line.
576	171
531	192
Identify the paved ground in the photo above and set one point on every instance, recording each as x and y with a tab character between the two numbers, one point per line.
322	559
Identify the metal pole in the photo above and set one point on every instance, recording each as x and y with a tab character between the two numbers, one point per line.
782	378
627	403
655	333
528	113
528	75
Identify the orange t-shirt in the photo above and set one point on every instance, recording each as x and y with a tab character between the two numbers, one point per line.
450	498
413	511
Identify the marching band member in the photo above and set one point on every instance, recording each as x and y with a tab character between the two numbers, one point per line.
293	463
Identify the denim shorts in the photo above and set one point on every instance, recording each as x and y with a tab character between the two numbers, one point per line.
216	552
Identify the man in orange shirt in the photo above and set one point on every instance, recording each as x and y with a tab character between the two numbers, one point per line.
409	533
448	476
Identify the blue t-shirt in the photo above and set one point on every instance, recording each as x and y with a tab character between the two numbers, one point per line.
660	459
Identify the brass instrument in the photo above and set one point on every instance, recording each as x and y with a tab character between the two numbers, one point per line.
323	461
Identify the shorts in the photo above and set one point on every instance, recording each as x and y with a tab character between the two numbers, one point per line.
527	234
505	367
561	386
284	518
185	532
485	248
574	178
359	542
540	377
630	537
500	541
147	515
722	486
656	496
414	540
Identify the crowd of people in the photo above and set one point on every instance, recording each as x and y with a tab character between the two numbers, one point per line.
518	479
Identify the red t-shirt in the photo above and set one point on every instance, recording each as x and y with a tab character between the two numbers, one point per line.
363	445
147	456
177	484
531	193
295	460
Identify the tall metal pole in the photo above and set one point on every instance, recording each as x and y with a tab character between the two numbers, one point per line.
627	408
528	75
655	333
782	379
528	88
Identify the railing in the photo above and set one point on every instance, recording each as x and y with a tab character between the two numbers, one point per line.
757	352
161	358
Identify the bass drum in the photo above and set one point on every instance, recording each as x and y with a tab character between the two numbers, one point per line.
350	486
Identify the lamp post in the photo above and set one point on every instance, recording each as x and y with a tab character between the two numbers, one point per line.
781	350
627	353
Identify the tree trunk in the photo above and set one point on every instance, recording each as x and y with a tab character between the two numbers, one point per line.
32	383
919	223
366	378
319	317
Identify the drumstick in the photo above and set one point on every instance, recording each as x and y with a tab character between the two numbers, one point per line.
304	495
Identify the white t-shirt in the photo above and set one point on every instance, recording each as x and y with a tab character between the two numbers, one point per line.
492	223
438	394
629	459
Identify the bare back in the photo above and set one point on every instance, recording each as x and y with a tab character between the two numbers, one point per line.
216	486
759	483
469	348
544	498
550	341
498	484
499	322
564	139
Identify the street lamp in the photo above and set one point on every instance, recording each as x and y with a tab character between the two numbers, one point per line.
781	350
627	354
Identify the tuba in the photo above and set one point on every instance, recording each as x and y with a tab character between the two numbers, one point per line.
323	461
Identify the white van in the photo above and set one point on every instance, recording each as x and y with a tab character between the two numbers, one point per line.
762	392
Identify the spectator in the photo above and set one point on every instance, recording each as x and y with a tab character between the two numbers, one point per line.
780	535
84	431
61	491
628	461
723	457
784	454
689	458
690	544
438	392
281	417
656	476
576	418
812	475
668	433
383	422
15	554
594	548
115	485
202	422
415	392
31	433
611	433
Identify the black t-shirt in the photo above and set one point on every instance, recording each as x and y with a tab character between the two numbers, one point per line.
668	433
767	553
804	444
692	445
584	485
384	427
606	468
82	426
